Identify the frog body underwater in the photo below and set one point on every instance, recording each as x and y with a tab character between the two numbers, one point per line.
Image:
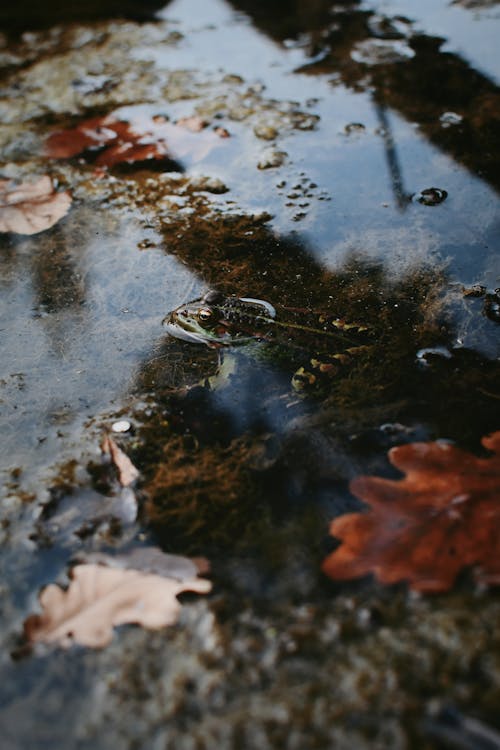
316	345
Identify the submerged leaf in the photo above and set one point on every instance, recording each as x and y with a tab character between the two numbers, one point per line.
116	141
99	598
127	472
31	207
442	516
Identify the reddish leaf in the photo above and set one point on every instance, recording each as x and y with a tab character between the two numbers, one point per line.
93	133
442	516
141	139
31	207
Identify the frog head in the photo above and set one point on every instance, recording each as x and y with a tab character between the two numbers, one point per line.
218	320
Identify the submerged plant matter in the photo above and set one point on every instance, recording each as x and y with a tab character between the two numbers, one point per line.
205	493
100	597
442	516
31	207
127	472
116	141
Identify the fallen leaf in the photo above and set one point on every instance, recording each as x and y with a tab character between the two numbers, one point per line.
99	598
31	207
127	472
111	141
90	134
443	516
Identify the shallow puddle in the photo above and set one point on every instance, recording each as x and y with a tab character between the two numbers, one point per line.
332	172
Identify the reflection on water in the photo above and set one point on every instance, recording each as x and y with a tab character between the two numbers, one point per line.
366	111
76	325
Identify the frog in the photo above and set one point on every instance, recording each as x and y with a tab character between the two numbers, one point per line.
317	345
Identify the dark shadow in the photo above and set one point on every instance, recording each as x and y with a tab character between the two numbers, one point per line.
31	14
252	437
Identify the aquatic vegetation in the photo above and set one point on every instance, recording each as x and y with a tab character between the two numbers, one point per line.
205	493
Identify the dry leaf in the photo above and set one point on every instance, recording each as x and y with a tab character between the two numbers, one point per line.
127	472
442	516
115	141
31	207
99	598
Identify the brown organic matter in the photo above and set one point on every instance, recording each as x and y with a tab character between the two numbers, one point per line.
443	516
31	207
127	472
99	598
206	493
112	141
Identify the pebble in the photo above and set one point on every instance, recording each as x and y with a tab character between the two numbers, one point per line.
123	425
272	159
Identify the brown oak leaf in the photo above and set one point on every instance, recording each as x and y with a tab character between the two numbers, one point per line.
443	516
31	207
99	598
113	141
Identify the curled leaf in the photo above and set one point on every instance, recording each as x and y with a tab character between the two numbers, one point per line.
99	598
31	207
127	472
443	516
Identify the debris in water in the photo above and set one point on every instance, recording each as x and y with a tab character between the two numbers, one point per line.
271	159
99	598
381	52
127	472
430	196
443	516
449	119
433	351
31	207
109	141
123	425
354	127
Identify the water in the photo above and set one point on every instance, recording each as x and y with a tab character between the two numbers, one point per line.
362	107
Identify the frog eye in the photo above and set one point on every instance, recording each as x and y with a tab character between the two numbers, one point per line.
204	314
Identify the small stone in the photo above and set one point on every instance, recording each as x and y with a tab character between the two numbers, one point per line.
272	159
476	290
123	425
430	196
266	132
354	127
448	119
209	185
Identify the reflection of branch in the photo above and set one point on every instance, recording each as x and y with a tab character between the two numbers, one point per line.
421	88
392	157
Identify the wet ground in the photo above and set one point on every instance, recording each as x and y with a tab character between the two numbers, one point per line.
335	121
